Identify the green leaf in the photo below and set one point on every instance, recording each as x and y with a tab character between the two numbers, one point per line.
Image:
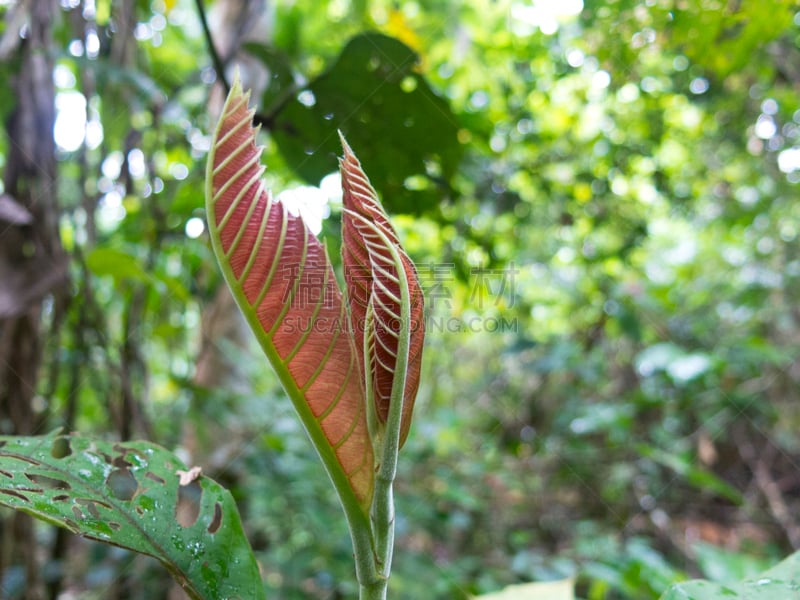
104	261
720	564
781	581
387	110
725	40
128	494
695	475
547	590
115	263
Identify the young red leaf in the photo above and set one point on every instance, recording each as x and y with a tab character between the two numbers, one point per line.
284	284
373	287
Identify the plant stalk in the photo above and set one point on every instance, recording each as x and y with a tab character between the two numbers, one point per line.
387	442
373	591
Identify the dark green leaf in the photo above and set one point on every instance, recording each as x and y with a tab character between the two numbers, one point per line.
405	133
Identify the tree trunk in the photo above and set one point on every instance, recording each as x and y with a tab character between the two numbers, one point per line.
32	262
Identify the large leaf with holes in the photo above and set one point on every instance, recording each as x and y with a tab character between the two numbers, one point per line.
283	282
779	582
374	94
130	495
373	260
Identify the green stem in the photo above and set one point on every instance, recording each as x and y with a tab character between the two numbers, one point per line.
382	517
363	547
374	591
373	571
388	440
372	584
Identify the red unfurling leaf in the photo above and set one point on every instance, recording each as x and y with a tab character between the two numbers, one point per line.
372	278
284	284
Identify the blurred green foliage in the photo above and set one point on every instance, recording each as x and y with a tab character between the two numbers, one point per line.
602	203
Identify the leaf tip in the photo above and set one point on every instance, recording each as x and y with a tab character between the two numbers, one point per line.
345	145
238	94
236	85
349	157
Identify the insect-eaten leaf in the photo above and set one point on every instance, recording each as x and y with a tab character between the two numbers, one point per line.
127	494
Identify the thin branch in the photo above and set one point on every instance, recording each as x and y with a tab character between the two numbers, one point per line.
219	65
266	121
776	503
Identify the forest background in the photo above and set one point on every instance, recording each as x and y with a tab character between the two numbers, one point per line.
601	199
